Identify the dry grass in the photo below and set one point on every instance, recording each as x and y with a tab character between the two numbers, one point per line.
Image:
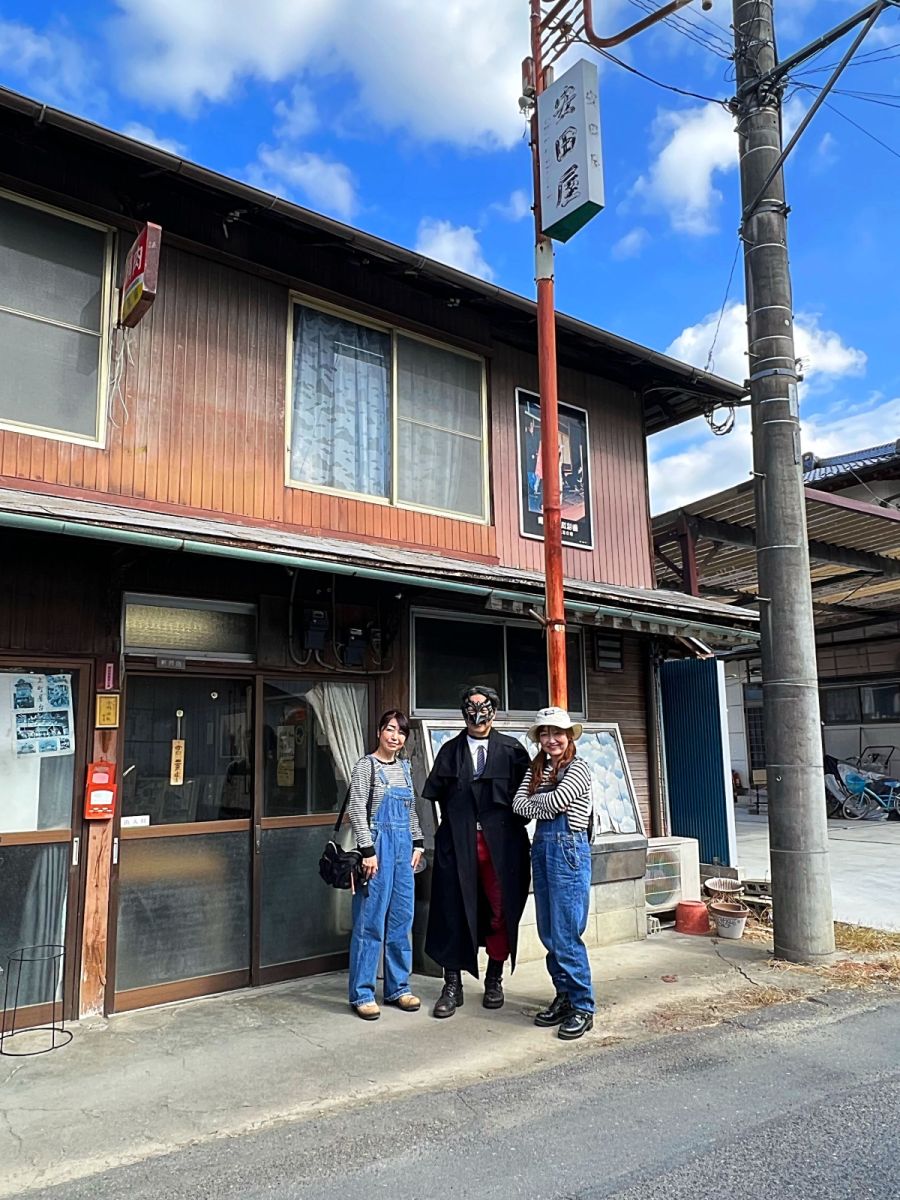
705	1011
862	940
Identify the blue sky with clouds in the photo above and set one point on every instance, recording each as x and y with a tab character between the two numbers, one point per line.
401	117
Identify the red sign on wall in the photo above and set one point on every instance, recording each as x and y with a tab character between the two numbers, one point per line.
141	275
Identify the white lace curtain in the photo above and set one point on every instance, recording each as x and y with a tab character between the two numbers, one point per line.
340	709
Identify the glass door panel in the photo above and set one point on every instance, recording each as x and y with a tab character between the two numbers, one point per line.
38	734
184	874
310	732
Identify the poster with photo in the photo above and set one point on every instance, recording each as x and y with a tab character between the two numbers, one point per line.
574	471
43	726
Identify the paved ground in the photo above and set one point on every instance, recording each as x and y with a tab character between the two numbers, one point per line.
865	866
789	1104
143	1084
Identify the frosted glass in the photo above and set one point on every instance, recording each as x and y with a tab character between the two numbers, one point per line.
301	917
184	908
49	377
33	888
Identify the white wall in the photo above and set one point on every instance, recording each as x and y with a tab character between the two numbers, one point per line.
735	678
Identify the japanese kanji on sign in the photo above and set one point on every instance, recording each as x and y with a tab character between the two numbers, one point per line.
570	162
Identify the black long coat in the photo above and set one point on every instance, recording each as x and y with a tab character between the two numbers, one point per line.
456	927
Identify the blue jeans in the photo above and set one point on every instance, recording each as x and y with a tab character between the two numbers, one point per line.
384	917
561	870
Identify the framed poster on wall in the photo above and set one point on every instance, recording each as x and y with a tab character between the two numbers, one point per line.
574	471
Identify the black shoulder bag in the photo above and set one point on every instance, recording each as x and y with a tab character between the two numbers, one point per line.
338	867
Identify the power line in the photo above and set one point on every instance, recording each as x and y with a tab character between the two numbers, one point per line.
669	87
690	30
862	129
709	357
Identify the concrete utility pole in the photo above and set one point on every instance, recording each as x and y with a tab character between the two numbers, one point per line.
798	833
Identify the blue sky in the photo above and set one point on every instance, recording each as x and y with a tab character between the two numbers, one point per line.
401	117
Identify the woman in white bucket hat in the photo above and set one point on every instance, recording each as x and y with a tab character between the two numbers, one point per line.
556	792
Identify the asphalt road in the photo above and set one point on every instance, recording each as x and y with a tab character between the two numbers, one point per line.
799	1102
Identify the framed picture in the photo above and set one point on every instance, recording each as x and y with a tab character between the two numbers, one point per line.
615	802
574	471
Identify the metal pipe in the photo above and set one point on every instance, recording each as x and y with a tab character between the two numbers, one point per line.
546	336
638	27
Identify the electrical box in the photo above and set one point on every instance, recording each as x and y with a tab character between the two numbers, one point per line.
315	629
355	646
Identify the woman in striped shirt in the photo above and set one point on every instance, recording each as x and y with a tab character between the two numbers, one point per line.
556	792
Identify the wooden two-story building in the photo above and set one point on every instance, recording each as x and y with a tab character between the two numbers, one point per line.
305	487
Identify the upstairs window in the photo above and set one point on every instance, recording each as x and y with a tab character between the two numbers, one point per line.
385	416
54	309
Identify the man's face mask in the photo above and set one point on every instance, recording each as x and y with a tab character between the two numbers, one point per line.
478	712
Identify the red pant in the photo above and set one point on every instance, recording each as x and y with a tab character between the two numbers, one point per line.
497	941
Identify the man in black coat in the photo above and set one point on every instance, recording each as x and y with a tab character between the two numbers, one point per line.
482	863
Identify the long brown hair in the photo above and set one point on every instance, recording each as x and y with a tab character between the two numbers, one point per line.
541	760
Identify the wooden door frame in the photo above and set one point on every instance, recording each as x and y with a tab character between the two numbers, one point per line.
82	669
256	974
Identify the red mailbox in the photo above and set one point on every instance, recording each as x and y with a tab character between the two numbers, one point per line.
100	792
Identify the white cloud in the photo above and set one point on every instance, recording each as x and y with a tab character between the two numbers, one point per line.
516	208
446	71
631	244
327	185
455	245
708	464
826	152
50	64
143	133
822	352
696	145
296	117
689	462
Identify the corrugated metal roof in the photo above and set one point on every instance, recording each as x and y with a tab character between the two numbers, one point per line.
650	602
840	592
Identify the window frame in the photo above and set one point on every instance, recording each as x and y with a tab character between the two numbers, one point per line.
394	332
477	618
107	293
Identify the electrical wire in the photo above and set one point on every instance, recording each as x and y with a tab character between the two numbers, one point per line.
669	87
709	357
689	29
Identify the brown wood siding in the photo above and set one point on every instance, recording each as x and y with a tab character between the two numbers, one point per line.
622	552
199	427
621	696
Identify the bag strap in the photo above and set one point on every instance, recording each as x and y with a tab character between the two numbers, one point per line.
340	816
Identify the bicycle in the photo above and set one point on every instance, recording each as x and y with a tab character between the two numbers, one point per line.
864	800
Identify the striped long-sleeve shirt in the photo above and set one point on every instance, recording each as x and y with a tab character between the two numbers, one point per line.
571	795
360	782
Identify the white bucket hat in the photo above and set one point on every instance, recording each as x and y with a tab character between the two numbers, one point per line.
556	718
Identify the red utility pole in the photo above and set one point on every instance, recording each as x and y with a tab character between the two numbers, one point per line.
546	322
565	22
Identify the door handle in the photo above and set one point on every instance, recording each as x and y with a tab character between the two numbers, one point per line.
76	845
257	839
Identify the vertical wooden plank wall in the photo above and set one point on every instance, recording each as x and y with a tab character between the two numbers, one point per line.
622	547
199	426
621	696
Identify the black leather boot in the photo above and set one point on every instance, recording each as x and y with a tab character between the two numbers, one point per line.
555	1013
493	985
451	997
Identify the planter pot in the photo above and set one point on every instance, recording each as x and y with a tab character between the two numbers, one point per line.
691	916
730	918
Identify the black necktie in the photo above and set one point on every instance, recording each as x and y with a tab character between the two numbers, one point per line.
480	756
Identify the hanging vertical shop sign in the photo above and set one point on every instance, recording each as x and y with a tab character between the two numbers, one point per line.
176	760
571	167
574	471
42	710
141	276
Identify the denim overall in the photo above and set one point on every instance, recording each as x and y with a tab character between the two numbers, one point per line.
561	870
384	917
